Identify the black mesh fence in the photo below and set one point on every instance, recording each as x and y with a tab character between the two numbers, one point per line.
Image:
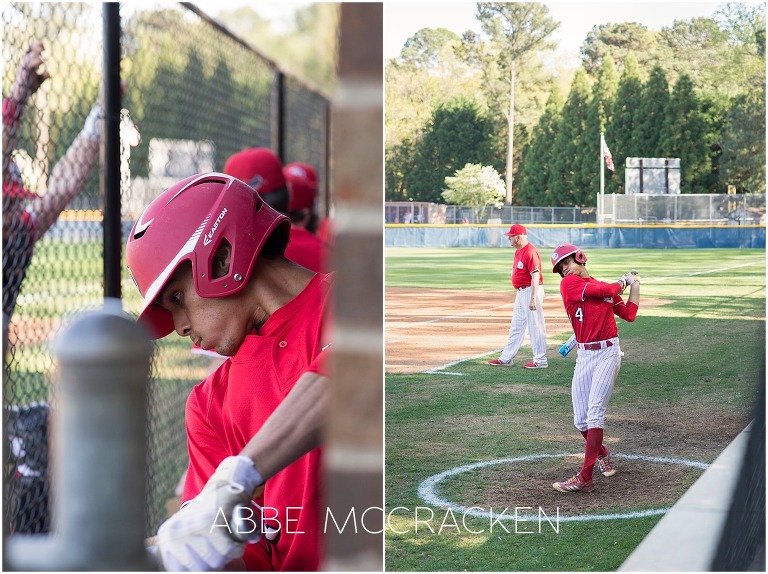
742	544
197	95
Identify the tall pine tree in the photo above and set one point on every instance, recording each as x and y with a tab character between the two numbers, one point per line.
567	180
540	154
683	135
620	133
653	105
599	112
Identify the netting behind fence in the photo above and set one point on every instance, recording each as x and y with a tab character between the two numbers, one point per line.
197	95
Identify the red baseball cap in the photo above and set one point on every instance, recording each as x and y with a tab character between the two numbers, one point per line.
259	167
516	229
302	183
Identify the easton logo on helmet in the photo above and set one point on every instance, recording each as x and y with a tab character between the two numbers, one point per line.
208	237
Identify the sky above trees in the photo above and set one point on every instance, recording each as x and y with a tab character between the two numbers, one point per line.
402	20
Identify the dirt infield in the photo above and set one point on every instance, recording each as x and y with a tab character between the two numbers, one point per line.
429	328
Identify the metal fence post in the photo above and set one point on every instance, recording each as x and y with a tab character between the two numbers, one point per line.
98	447
110	173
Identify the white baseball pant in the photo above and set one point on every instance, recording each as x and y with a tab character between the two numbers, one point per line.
593	379
523	319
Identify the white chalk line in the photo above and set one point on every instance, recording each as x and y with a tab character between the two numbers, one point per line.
439	370
426	490
659	279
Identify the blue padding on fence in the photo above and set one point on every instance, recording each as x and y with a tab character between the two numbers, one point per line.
550	236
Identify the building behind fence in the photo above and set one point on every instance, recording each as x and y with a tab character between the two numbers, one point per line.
197	95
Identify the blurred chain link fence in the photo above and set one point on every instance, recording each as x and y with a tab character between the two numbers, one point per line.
197	94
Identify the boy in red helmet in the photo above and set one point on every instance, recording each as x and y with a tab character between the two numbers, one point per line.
302	185
207	255
262	170
591	306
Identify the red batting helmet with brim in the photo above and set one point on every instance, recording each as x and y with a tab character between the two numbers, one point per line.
188	222
259	167
302	183
563	251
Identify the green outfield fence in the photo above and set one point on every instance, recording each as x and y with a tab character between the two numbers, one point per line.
197	94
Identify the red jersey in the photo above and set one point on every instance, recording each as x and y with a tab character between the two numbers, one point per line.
306	249
527	260
231	405
591	305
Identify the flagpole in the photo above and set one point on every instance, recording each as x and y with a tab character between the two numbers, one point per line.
602	182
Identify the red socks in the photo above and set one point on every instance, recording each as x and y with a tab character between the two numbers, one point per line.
602	452
594	438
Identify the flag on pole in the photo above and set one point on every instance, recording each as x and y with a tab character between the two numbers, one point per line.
607	154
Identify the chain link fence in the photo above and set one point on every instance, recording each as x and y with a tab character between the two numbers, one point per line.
719	209
742	209
406	212
197	94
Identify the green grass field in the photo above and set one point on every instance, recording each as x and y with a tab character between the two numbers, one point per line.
685	389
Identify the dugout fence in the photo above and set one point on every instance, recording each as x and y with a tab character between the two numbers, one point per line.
197	94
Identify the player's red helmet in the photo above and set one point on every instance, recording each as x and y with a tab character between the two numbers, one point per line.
302	183
563	251
189	221
259	167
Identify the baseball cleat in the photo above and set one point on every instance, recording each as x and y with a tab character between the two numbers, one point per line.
499	363
534	365
605	465
574	484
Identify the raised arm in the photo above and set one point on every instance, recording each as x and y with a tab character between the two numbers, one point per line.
601	289
28	80
69	175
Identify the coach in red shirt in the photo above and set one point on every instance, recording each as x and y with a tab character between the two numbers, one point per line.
528	314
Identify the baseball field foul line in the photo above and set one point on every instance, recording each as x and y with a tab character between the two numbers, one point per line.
439	370
426	490
658	279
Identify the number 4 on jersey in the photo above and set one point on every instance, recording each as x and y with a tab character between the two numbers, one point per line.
580	314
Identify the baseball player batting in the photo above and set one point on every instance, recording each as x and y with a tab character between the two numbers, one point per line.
591	306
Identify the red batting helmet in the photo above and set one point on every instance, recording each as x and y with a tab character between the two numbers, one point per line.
302	182
259	167
189	221
563	251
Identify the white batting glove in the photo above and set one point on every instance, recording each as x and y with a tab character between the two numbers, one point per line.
197	537
628	278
